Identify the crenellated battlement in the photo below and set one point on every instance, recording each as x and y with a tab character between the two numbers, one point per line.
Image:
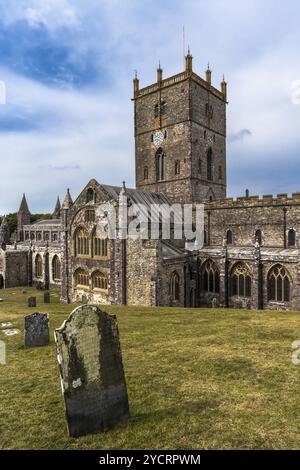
281	199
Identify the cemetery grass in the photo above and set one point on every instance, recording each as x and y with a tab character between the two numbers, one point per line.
196	378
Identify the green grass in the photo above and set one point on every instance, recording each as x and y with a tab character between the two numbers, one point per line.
203	378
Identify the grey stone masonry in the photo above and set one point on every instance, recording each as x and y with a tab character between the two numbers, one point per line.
36	331
91	369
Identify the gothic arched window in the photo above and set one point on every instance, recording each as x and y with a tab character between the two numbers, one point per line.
211	277
241	280
99	246
145	173
81	278
291	237
229	237
99	281
56	268
81	243
174	286
209	165
177	167
278	284
160	165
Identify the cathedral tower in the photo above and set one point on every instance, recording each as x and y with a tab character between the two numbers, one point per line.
180	136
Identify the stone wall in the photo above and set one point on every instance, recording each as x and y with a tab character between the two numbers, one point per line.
274	216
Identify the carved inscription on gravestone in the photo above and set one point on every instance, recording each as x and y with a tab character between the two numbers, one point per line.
91	369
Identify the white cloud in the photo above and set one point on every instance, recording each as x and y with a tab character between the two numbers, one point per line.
52	14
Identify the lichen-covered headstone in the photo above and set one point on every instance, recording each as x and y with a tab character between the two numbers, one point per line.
36	330
31	302
47	298
91	370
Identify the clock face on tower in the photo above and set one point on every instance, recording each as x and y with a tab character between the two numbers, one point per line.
158	138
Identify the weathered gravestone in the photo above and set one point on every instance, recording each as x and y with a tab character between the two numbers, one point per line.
91	370
36	330
47	298
31	301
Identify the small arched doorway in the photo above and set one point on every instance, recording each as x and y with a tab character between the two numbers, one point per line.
1	282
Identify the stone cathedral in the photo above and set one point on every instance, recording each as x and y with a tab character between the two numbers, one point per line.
250	258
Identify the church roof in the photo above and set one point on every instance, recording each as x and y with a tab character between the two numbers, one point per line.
137	196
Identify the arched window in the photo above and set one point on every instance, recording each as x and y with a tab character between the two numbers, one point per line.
258	236
177	167
241	280
174	286
278	284
38	266
90	195
145	173
229	237
99	281
291	237
211	277
199	166
89	215
81	278
56	268
99	246
209	165
160	165
81	243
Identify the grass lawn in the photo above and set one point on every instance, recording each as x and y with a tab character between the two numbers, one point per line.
199	378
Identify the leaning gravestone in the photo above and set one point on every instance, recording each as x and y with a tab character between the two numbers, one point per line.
36	330
47	298
31	301
91	370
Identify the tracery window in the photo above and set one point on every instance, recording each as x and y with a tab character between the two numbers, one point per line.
241	280
278	284
99	281
81	278
82	243
211	277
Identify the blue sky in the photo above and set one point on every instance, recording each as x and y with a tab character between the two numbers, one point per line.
68	67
